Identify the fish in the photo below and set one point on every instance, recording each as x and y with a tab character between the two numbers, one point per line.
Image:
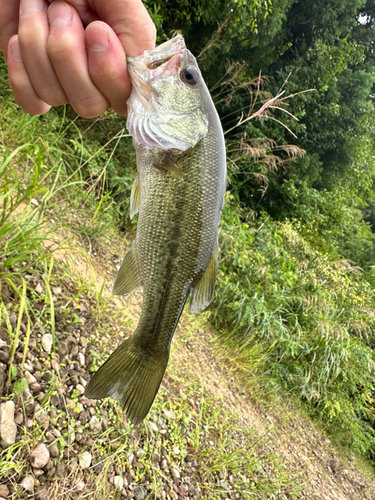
179	194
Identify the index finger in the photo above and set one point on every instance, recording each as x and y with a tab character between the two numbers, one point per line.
8	23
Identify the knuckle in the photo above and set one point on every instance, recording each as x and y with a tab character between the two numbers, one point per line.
60	49
90	107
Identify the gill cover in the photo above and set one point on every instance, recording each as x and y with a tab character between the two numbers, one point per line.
166	106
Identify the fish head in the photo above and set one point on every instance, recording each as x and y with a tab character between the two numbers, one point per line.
166	109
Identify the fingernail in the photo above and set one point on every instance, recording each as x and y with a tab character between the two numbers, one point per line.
97	38
15	50
59	13
31	6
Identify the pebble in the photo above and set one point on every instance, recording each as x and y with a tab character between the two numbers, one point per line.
47	342
80	389
81	359
42	495
80	486
139	453
94	423
55	365
154	427
13	319
42	418
140	492
3	378
85	460
28	483
8	428
176	450
30	379
175	472
54	450
4	357
118	482
130	458
39	456
4	490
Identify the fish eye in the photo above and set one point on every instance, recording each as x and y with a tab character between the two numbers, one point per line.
190	75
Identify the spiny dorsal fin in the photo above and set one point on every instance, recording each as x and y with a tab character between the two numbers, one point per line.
127	278
135	197
203	291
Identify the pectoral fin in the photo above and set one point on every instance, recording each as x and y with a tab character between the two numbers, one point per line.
203	292
171	166
135	197
127	278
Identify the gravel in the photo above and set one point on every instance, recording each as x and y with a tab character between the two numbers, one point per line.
39	456
8	428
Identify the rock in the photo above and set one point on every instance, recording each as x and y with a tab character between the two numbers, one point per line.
139	453
155	457
85	460
42	418
80	486
13	319
64	347
30	379
60	470
176	450
173	495
81	359
80	389
4	357
71	437
130	458
154	427
4	490
36	388
39	456
163	464
8	428
94	423
3	379
55	365
42	494
18	419
28	483
38	472
54	450
118	482
140	492
47	342
175	473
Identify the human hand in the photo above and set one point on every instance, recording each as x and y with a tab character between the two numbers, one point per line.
53	60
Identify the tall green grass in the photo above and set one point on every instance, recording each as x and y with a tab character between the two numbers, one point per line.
314	319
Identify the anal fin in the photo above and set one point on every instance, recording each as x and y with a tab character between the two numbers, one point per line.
203	292
127	278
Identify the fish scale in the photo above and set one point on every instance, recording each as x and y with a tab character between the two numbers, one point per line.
179	192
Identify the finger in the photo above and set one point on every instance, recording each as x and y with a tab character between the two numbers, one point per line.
24	93
86	14
107	65
33	34
67	50
8	23
131	23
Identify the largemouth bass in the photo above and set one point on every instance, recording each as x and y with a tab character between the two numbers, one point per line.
179	193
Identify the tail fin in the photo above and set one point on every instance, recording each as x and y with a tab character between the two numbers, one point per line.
130	375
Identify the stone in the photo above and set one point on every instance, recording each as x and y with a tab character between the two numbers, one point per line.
42	418
55	365
4	490
175	473
8	428
80	389
94	423
18	418
4	357
155	457
81	359
36	388
85	460
63	348
3	379
30	379
80	486
140	492
47	342
139	453
118	482
54	450
39	456
154	427
42	494
60	470
176	450
28	483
